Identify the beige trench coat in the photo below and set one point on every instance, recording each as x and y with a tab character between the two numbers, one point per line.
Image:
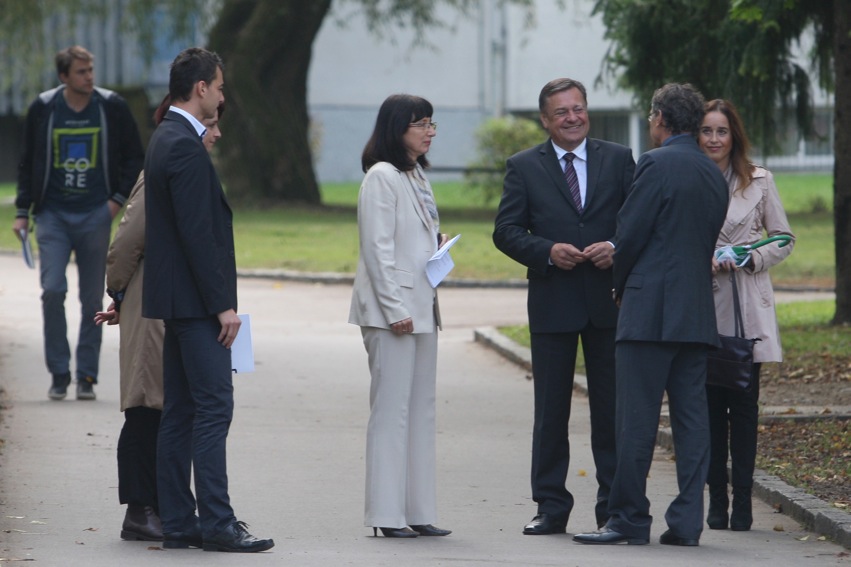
753	214
141	346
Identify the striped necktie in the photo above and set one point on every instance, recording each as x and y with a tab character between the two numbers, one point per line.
572	180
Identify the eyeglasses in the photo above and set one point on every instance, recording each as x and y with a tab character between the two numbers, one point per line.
651	115
424	125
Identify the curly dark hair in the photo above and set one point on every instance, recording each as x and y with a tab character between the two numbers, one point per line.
681	106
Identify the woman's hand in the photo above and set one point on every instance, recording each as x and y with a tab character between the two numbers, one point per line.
725	266
403	327
110	316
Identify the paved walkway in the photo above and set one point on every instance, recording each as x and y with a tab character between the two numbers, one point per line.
296	451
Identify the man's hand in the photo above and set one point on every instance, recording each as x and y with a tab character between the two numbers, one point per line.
230	322
21	223
600	254
565	256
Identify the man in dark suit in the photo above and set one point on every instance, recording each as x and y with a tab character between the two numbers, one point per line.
663	282
190	282
557	217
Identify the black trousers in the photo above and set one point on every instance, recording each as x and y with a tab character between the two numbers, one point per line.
553	364
733	422
137	457
197	413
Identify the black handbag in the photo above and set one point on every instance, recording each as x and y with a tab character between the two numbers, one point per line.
731	365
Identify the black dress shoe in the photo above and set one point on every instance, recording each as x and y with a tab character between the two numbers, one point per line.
141	523
235	538
189	537
545	524
608	536
395	532
429	530
668	538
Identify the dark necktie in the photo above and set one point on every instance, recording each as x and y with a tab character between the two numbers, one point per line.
204	133
572	180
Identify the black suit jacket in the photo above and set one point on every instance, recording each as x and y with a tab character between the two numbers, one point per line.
190	267
667	231
537	211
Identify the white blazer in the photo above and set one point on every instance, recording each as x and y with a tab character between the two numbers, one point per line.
396	240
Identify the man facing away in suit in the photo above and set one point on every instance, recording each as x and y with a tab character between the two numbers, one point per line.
190	283
557	217
663	283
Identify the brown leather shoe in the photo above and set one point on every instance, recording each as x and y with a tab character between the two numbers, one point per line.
141	523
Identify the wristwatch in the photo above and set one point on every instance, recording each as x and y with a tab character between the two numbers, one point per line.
117	297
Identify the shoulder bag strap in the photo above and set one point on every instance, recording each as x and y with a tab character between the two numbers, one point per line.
737	308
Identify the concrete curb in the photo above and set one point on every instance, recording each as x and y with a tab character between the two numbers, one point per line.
814	514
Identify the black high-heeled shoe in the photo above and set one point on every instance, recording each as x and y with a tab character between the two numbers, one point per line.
429	530
395	532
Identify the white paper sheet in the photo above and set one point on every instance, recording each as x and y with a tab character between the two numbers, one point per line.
439	265
242	349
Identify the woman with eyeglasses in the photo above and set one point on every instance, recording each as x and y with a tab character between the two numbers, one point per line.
755	211
396	309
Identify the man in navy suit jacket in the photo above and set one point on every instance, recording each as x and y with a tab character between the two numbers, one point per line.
667	231
566	240
190	283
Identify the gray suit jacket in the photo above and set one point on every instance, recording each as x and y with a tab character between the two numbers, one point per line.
667	230
536	211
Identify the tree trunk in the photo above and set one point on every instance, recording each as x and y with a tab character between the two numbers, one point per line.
264	155
842	161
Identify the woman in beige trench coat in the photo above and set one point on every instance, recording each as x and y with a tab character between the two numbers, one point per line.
755	211
140	356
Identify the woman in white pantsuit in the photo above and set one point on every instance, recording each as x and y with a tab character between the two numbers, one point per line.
396	309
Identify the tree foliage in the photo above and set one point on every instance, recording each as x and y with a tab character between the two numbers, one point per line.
744	50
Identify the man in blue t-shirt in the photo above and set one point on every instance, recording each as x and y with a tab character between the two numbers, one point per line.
82	154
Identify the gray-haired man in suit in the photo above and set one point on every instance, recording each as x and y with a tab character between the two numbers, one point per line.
557	217
663	282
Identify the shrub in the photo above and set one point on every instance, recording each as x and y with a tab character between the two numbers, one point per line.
498	139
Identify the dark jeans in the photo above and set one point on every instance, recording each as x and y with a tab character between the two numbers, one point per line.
137	457
733	416
197	412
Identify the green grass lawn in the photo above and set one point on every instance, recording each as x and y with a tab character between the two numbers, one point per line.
324	239
804	327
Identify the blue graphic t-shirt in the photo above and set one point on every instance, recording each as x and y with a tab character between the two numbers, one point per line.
77	180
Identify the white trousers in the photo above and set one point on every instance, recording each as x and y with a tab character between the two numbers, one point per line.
400	446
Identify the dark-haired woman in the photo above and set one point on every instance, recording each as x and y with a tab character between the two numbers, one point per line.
755	211
396	309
